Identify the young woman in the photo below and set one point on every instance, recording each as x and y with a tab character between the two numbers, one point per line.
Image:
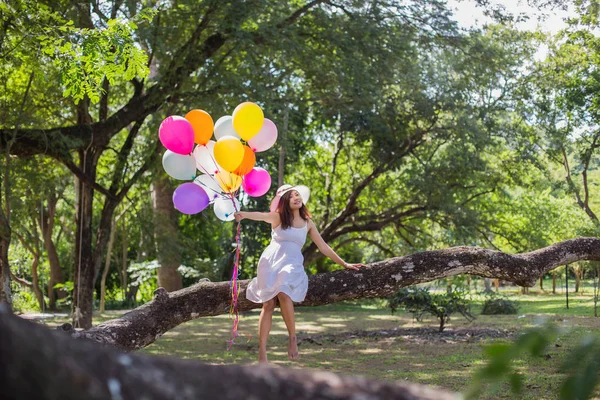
281	272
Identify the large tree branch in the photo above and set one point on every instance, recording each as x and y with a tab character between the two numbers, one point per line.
350	207
407	146
149	161
370	223
142	326
86	179
123	155
375	243
376	224
21	281
32	355
298	13
586	163
329	178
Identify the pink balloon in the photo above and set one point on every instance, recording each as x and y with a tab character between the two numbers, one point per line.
257	182
265	138
176	134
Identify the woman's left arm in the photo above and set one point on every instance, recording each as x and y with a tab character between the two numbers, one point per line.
326	250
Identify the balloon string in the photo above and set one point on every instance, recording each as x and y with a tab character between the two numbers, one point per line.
204	169
234	283
219	182
235	288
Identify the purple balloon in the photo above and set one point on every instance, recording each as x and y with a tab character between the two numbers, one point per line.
257	182
176	134
190	198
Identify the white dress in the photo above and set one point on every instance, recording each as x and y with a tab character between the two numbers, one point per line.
280	268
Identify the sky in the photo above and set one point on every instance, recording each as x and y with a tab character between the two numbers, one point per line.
468	14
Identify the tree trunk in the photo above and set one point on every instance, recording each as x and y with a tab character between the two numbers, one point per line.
227	271
88	258
5	235
542	283
35	280
107	266
83	271
32	354
596	289
281	163
144	325
165	234
553	282
487	282
124	247
56	274
321	266
5	293
497	285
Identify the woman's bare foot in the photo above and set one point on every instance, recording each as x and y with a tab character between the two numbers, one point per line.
292	348
262	356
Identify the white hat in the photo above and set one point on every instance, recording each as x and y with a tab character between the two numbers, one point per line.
304	192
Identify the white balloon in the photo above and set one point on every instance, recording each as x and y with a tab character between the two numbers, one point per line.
224	127
224	209
265	138
179	166
205	158
210	185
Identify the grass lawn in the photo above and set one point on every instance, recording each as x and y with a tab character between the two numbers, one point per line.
364	338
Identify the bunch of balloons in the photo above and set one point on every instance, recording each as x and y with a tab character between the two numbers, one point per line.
225	164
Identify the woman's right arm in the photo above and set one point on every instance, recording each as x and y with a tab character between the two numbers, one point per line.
270	217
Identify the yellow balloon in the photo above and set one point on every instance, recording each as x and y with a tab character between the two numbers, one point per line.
229	182
229	153
248	119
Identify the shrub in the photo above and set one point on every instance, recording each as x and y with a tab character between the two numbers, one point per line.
499	306
419	301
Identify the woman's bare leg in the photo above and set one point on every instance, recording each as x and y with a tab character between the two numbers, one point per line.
287	311
264	327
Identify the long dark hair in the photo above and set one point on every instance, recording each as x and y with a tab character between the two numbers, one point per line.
285	211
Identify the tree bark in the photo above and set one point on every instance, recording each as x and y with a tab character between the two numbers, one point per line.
111	241
165	235
124	247
35	280
43	364
282	145
553	282
56	274
488	285
144	325
5	230
5	293
84	274
578	270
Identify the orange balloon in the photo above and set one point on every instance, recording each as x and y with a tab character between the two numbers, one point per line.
229	182
203	125
247	163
